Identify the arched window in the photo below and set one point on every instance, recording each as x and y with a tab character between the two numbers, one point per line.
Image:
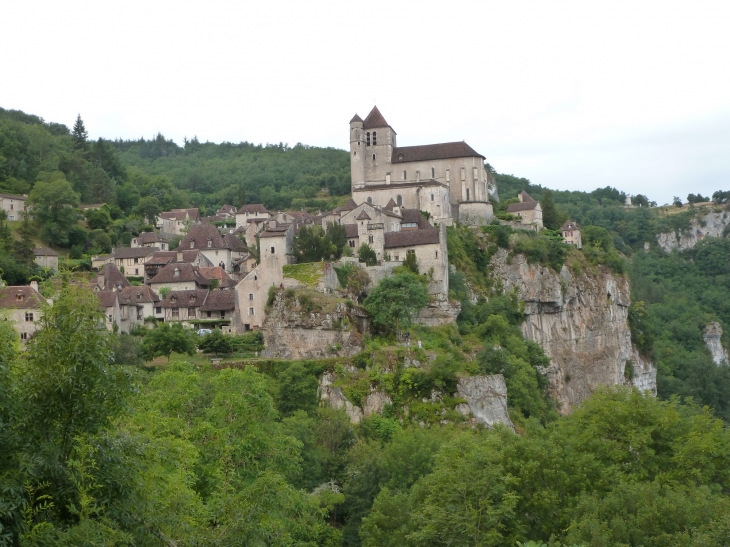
375	138
367	138
399	200
192	244
370	201
467	194
433	172
373	157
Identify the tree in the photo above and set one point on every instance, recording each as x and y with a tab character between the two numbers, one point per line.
297	390
98	219
309	244
677	201
148	208
366	254
552	217
335	238
641	200
216	342
79	134
54	201
23	247
165	339
395	300
411	263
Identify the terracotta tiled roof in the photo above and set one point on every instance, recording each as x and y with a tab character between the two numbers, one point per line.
351	231
374	120
408	238
44	251
164	257
349	206
526	206
216	272
133	252
199	236
107	299
13	196
356	118
434	152
113	278
150	237
569	225
227	209
414	215
525	197
140	295
220	301
19	297
253	208
187	272
233	243
185	299
278	231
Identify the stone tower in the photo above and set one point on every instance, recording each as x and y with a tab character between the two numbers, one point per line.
371	145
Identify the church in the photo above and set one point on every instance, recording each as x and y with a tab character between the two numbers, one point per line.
447	180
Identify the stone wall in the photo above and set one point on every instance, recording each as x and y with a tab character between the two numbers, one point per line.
582	324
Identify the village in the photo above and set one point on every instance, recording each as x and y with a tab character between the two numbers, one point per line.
220	274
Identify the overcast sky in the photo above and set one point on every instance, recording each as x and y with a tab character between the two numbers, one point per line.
572	95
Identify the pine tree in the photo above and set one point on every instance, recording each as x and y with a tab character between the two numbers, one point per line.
23	247
552	217
79	134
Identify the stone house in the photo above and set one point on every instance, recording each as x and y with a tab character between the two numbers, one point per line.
121	310
528	210
13	205
46	258
449	180
144	298
251	212
571	234
200	308
226	211
178	221
110	278
161	259
179	277
150	239
208	240
131	260
23	305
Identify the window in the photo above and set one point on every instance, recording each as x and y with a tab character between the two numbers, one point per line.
29	316
158	309
437	254
250	296
352	243
433	172
23	335
373	157
19	297
463	174
192	244
273	250
375	138
136	271
399	200
367	138
11	206
176	314
139	296
431	197
475	175
223	315
387	178
110	318
250	311
467	194
136	260
404	174
411	252
191	312
370	201
177	272
370	239
354	154
418	176
447	175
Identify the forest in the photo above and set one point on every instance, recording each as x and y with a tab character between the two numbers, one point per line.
103	446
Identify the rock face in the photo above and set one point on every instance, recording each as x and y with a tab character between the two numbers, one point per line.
582	324
292	333
333	396
712	335
439	311
486	399
712	224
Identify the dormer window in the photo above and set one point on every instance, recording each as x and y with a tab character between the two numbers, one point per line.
210	242
19	297
400	156
192	244
173	299
139	296
177	272
192	297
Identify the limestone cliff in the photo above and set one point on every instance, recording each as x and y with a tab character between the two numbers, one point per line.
304	325
711	224
582	324
712	336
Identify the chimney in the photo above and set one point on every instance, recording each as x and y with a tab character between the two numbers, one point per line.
34	285
179	256
100	281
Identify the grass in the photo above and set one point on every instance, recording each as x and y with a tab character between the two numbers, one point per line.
308	274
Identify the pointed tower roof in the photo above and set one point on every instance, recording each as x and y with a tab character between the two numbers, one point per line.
390	205
363	216
356	118
374	120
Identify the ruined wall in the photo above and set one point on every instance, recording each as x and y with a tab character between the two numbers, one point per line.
582	324
711	224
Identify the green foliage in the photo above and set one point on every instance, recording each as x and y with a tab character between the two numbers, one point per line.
54	201
543	250
249	342
297	390
552	217
366	254
215	342
410	263
308	274
165	339
395	300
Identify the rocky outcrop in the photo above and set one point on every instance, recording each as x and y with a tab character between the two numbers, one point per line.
439	311
712	336
486	399
295	331
582	324
333	397
711	224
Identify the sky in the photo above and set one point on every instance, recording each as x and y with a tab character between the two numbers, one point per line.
572	95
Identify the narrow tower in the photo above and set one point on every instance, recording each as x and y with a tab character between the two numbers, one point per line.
357	147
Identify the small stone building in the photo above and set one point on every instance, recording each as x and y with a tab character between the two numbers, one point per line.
571	234
528	210
23	305
13	205
46	258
